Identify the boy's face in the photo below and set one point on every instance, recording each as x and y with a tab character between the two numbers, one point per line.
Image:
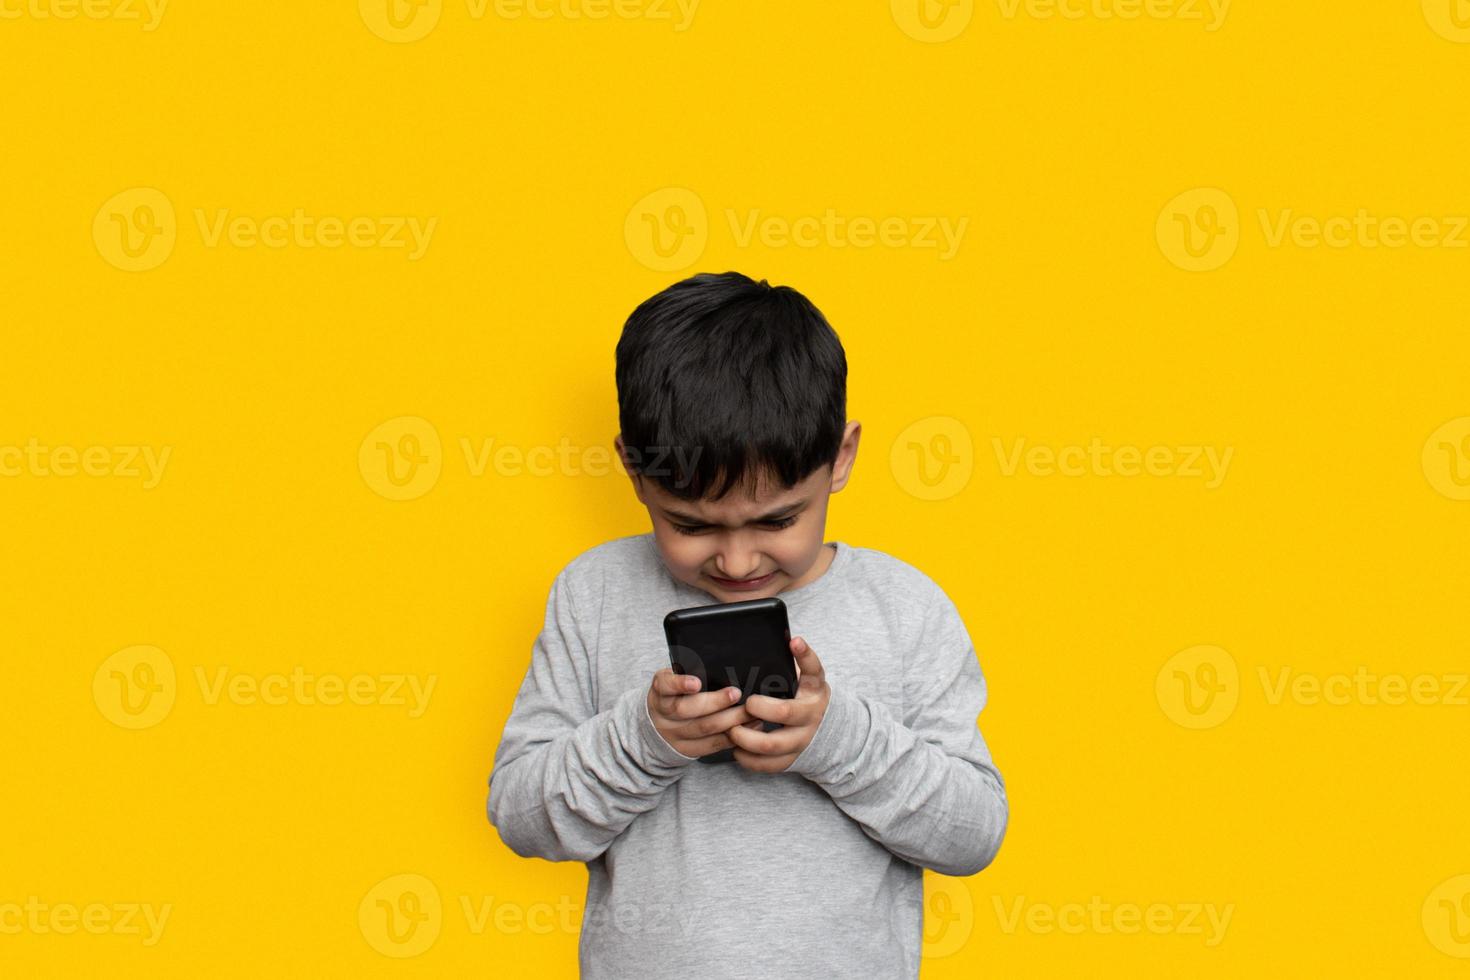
748	545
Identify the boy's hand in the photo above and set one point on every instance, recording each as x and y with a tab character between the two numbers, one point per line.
762	751
695	724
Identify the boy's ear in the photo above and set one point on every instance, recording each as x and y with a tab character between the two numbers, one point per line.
846	455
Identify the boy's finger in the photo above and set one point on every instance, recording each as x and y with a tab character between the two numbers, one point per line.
688	706
668	687
782	742
807	661
786	711
713	724
704	746
668	683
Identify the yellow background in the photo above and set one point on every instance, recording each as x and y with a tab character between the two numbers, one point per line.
1333	542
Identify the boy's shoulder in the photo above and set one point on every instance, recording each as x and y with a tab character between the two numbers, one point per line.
900	581
620	559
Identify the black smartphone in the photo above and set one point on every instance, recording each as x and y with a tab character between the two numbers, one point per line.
734	644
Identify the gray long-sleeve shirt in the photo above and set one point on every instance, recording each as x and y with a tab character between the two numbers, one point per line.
711	871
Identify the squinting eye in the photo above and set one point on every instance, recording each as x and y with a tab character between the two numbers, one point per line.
700	529
780	525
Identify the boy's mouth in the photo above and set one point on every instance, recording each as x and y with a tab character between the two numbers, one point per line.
742	585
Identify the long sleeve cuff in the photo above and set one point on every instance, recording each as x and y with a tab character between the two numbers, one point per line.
831	755
931	808
642	740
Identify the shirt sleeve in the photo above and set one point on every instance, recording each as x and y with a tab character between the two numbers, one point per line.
923	786
567	779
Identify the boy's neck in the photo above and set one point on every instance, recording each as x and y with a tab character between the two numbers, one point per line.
818	569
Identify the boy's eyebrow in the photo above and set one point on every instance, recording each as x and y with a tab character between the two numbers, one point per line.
774	515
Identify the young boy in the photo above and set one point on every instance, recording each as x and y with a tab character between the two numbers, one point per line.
804	856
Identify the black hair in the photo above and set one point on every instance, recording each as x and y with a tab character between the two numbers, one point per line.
722	379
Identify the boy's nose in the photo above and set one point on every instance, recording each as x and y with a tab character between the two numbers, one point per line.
737	564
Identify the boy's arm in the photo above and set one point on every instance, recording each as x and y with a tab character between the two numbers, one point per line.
924	787
566	780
